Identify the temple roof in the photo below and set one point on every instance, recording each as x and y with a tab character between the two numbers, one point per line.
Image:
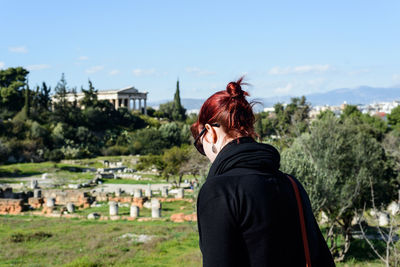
126	90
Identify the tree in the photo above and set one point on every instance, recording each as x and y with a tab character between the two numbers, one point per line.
258	127
394	117
171	134
350	111
165	110
291	120
89	96
12	82
44	96
336	162
178	112
61	91
147	141
173	159
196	164
27	106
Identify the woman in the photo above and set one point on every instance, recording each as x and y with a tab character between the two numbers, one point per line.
247	210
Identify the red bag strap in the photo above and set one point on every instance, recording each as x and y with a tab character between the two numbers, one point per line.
302	223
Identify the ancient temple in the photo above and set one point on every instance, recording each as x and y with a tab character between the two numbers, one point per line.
128	97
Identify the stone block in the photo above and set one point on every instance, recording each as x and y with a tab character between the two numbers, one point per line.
11	206
36	202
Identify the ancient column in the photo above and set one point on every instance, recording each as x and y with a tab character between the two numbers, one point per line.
145	106
129	103
155	208
134	211
70	207
134	103
164	191
118	192
180	193
50	202
113	208
140	105
137	193
34	184
37	193
148	192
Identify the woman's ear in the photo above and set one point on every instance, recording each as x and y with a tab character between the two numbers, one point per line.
212	133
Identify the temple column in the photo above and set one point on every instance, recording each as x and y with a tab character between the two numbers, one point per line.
134	103
140	105
145	107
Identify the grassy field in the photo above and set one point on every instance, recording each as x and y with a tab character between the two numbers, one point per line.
70	172
39	241
29	240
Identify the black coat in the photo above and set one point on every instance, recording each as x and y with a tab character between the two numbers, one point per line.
247	212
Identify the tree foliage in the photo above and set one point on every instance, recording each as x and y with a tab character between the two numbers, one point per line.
394	117
12	83
336	162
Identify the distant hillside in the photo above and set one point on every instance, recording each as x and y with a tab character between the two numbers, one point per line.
359	95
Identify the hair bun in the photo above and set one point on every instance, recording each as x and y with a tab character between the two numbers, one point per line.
235	88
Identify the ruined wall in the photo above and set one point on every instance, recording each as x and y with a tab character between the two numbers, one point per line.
138	201
78	198
36	202
11	206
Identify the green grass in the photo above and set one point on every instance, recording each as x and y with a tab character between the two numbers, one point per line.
9	181
29	169
72	172
40	241
167	209
131	181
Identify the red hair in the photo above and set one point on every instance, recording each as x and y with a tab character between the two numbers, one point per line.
230	109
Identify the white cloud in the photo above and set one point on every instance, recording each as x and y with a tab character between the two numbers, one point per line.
198	71
143	72
18	49
82	58
300	69
113	72
94	69
38	67
284	90
2	64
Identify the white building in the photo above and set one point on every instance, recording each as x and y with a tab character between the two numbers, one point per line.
129	97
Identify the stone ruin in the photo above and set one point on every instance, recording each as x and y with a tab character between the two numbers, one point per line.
63	197
12	203
15	203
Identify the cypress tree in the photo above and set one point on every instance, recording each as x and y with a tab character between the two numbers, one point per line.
178	112
61	92
27	101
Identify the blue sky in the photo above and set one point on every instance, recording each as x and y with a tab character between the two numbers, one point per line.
283	47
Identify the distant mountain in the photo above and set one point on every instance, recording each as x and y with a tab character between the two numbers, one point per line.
359	95
188	103
354	96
